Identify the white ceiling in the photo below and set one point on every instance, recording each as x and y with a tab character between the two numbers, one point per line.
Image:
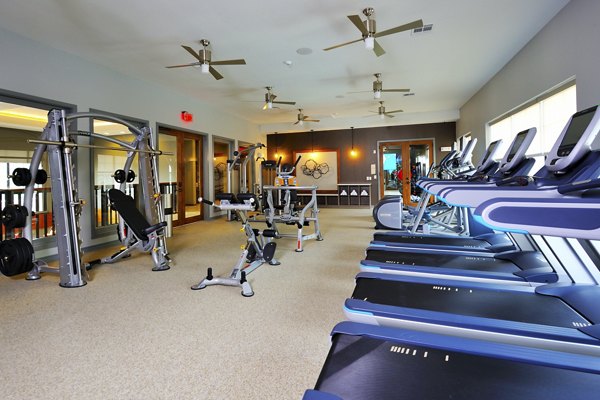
471	41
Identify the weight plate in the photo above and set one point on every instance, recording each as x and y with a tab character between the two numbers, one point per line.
130	176
21	176
41	177
12	258
120	176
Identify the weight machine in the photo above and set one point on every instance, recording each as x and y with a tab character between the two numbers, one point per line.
59	143
280	206
240	162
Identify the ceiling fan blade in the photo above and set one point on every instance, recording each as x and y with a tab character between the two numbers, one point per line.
214	73
265	106
273	96
355	19
296	123
343	44
388	115
312	120
379	51
183	65
192	52
394	111
291	103
395	90
240	61
401	28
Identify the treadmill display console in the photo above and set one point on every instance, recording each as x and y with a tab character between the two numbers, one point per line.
577	127
516	144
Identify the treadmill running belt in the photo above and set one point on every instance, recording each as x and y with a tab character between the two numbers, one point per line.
442	260
475	302
431	240
365	368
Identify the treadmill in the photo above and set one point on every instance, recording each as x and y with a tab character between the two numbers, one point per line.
563	316
487	172
517	266
368	362
389	212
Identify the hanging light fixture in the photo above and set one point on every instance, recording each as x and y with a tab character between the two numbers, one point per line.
353	152
276	147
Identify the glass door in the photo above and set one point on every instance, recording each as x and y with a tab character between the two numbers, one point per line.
180	175
402	164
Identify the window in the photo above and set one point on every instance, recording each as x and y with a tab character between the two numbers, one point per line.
548	114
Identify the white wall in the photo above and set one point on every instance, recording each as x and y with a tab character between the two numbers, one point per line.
567	46
33	69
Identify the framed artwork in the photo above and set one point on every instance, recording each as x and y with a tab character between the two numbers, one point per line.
318	168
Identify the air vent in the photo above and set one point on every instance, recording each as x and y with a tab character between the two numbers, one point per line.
424	29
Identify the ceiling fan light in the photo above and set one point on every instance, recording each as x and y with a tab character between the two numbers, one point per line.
300	122
382	116
269	105
369	43
204	68
377	94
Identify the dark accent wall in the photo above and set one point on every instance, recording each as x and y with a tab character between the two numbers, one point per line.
356	170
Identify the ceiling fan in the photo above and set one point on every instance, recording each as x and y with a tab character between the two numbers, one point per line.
304	118
270	100
369	33
382	113
378	88
204	61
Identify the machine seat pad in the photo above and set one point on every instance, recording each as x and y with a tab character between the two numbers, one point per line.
226	196
125	206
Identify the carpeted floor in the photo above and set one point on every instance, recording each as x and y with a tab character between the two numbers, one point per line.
136	334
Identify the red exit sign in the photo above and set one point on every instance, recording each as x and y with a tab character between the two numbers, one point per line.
186	116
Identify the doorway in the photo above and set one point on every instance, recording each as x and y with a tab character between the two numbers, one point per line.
180	174
401	165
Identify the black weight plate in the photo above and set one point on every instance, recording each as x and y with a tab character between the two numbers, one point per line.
12	258
120	176
41	177
130	176
27	250
21	176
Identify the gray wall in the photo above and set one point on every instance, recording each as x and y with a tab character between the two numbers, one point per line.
33	69
567	46
356	170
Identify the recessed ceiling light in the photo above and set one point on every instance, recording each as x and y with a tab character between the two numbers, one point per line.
288	63
304	51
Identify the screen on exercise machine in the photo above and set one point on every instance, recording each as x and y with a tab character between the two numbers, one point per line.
575	130
516	144
490	150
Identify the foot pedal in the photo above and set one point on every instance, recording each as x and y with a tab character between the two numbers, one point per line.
269	251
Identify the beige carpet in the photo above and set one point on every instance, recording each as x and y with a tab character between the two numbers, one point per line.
136	334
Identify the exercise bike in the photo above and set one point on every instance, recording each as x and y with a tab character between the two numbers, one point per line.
258	250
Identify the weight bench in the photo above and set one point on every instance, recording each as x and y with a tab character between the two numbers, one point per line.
144	234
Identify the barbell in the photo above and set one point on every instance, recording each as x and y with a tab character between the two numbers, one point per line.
92	146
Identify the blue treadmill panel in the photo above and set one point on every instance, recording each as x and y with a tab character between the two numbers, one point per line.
386	364
495	303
